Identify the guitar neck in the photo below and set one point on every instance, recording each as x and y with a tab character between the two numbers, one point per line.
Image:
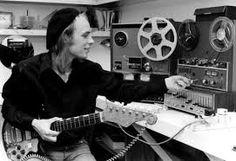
76	122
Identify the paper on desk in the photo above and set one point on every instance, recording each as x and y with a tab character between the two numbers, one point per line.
216	122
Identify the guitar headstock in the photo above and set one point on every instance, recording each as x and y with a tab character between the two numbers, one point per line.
124	115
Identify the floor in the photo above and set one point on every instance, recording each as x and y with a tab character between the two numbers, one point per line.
142	152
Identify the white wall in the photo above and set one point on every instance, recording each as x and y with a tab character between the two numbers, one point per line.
179	10
100	54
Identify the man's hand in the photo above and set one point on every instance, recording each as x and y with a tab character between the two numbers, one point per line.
177	82
42	127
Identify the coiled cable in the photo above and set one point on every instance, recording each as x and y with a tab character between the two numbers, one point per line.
122	152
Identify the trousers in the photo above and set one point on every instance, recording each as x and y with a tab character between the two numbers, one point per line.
77	152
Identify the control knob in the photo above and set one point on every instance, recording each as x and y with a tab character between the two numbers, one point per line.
147	67
212	82
188	101
204	81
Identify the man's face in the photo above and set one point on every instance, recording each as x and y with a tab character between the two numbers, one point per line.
81	39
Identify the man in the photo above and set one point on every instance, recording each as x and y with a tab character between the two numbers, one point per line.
62	83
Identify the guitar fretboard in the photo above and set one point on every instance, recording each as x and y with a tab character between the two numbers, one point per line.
76	122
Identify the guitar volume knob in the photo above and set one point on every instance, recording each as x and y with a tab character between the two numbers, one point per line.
13	152
22	151
18	147
18	156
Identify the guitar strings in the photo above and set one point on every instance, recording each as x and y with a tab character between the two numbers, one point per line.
76	122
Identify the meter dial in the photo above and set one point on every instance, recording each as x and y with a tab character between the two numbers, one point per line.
121	38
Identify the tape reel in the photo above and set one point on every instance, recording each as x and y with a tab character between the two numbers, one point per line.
157	38
221	34
188	35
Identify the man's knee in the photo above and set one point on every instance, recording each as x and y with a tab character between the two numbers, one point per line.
84	157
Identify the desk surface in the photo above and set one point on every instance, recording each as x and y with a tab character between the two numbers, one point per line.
215	137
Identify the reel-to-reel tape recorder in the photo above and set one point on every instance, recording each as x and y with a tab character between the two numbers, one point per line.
210	63
146	48
202	50
140	50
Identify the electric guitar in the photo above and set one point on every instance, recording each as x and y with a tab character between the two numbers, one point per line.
19	143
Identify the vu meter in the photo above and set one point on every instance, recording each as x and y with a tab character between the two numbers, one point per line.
121	38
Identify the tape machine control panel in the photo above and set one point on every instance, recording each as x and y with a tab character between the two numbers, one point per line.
202	50
205	73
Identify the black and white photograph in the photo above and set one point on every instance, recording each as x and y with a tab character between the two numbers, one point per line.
117	80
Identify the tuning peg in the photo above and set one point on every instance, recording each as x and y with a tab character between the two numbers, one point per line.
123	110
110	108
151	120
117	109
144	115
130	112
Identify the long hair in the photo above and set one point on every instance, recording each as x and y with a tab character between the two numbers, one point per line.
59	50
68	32
60	45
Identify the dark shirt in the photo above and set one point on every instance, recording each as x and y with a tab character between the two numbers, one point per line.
34	90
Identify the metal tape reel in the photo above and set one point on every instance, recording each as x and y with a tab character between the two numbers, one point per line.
188	34
221	34
157	38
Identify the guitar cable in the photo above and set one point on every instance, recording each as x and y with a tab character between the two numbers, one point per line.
122	152
137	138
165	141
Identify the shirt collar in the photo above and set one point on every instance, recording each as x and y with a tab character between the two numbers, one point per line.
46	62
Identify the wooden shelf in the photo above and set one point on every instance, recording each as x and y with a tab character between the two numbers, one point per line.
24	32
81	2
101	34
100	2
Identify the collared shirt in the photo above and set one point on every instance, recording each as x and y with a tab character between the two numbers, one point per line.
35	90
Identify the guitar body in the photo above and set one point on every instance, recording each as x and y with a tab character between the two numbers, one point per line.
18	143
3	153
